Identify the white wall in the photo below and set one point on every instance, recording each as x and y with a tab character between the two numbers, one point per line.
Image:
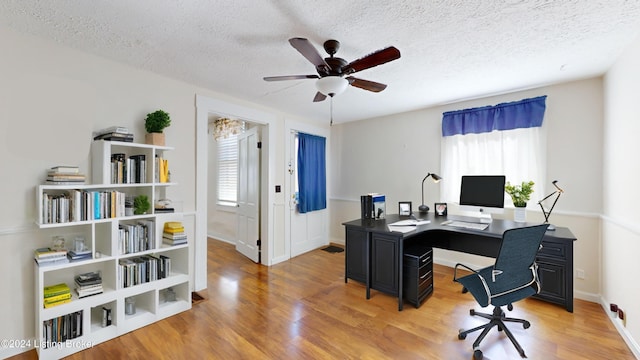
392	154
51	99
620	230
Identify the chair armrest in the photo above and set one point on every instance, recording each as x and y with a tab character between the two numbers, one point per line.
455	270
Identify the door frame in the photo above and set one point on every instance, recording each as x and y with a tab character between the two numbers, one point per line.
205	106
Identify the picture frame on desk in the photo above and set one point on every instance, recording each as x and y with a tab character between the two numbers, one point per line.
404	208
440	209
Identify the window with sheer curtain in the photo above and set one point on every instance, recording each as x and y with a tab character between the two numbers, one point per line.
505	139
228	170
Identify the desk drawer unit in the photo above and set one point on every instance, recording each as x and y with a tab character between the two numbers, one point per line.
417	273
555	268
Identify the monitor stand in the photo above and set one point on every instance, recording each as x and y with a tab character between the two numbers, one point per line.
485	218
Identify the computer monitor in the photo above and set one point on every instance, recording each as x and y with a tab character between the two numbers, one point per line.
483	194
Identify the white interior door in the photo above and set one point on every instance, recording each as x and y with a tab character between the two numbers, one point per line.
248	209
308	231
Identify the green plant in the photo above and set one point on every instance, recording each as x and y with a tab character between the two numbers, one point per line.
141	204
157	121
519	193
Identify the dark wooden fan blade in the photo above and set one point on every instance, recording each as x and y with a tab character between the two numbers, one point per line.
377	58
319	97
308	51
290	77
366	84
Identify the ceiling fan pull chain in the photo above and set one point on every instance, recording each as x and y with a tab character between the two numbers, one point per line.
331	110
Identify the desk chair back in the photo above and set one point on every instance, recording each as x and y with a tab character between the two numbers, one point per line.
515	265
514	275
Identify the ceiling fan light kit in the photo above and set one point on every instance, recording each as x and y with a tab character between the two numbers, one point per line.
332	85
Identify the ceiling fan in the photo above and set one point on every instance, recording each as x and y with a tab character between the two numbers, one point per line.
332	70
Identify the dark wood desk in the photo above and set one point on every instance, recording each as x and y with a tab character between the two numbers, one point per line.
374	254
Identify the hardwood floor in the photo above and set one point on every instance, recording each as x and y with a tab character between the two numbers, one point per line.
302	309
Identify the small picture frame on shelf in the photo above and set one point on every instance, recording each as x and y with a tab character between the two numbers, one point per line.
440	209
404	208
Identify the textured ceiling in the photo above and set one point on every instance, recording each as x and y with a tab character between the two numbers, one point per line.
451	49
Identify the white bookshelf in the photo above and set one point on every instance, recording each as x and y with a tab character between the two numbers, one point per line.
101	236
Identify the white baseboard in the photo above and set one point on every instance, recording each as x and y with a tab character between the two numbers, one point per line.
622	330
221	238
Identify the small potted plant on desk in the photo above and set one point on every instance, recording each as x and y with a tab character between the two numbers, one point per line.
155	124
519	195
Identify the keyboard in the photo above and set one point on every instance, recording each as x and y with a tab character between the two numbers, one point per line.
468	225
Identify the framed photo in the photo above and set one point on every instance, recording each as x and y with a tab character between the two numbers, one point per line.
440	209
404	208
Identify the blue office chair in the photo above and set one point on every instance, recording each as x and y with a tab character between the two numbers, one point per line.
513	277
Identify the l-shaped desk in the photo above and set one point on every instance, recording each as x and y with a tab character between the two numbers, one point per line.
374	255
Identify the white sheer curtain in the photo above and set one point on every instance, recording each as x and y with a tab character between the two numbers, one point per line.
518	154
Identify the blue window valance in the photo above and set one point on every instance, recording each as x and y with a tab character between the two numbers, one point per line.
506	116
312	173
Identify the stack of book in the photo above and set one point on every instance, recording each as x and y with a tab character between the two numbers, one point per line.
114	133
64	175
56	295
49	256
74	255
173	233
88	284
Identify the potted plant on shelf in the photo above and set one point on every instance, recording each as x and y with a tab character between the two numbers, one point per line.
520	194
155	124
141	205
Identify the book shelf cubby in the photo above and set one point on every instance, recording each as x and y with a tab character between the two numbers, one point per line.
137	268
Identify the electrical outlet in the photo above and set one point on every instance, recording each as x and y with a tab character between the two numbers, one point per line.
613	307
622	316
580	274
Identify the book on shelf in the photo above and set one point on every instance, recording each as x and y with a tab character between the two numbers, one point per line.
162	170
79	205
106	316
128	170
115	137
79	255
88	284
173	230
56	295
56	298
64	169
64	175
113	133
45	253
174	241
57	289
48	256
60	329
112	129
143	269
52	261
50	305
173	225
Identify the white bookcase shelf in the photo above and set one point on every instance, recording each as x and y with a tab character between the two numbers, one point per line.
102	236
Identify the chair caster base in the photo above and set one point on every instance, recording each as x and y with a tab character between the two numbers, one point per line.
477	354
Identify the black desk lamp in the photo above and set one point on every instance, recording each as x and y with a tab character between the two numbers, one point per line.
423	209
559	192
